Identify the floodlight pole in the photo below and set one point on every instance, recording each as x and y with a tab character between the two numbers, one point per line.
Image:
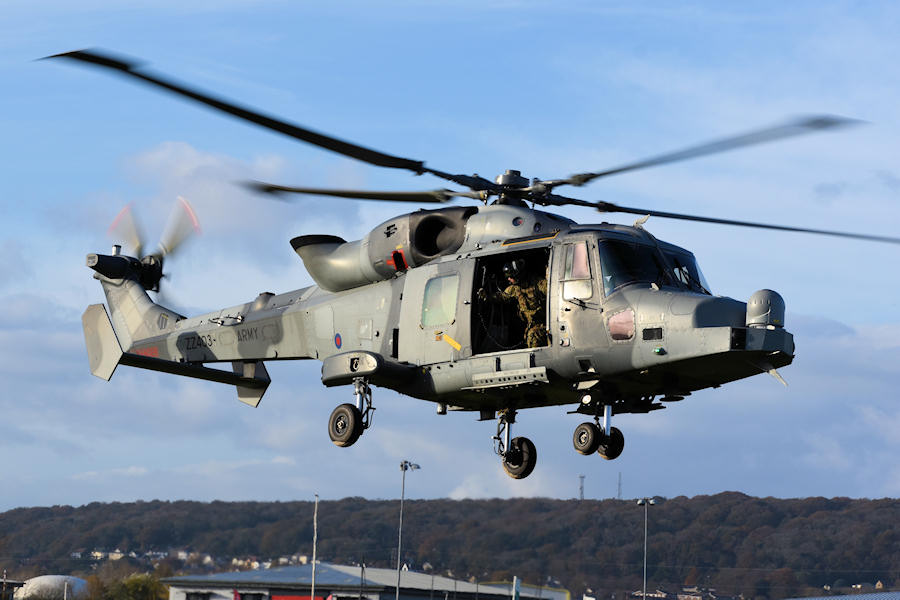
404	467
646	503
312	591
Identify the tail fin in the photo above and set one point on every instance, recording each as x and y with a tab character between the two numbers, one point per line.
133	315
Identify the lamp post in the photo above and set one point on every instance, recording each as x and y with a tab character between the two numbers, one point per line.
404	467
646	503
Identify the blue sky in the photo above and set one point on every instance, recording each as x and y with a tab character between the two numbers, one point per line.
548	88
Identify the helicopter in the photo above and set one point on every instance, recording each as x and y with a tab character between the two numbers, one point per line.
490	308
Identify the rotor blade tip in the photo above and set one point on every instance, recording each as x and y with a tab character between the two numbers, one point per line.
98	57
195	222
258	186
829	121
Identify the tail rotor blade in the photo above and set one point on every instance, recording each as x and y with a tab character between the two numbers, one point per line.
182	225
125	228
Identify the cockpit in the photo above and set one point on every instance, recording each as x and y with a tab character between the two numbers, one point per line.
624	262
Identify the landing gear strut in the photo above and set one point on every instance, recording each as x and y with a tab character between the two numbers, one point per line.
348	421
605	440
519	454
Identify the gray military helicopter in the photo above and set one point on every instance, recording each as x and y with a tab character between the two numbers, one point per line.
442	304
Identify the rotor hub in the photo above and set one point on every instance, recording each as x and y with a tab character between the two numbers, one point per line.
511	178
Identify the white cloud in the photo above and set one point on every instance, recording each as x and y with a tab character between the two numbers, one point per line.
112	474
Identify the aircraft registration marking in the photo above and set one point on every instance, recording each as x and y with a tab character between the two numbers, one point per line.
200	341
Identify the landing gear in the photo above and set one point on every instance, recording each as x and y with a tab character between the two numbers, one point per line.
345	425
587	438
519	460
519	454
612	445
605	440
348	421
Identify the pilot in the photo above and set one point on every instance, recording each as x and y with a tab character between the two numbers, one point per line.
530	296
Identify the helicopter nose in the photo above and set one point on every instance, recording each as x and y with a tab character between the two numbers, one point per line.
707	311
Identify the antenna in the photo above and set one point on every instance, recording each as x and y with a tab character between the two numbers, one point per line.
581	487
619	493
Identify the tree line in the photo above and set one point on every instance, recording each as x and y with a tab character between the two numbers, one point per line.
763	548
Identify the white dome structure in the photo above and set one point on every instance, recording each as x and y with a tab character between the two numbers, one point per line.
52	587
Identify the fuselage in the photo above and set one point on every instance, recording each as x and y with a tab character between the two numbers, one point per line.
628	318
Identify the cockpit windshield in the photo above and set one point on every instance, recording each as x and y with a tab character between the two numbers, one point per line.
686	271
623	263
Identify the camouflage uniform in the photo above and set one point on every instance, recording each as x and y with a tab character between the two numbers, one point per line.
531	299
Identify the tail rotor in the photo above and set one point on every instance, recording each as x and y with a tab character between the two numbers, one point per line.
182	225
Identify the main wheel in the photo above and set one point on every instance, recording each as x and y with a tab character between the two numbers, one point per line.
586	438
611	447
345	425
520	458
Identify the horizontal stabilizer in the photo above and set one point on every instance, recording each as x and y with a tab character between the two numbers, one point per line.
104	350
258	383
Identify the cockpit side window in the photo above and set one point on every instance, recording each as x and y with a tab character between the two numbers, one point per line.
577	284
687	272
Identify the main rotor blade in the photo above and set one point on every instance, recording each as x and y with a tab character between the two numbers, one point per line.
429	196
610	207
793	128
134	70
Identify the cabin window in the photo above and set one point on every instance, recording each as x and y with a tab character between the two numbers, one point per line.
577	273
439	304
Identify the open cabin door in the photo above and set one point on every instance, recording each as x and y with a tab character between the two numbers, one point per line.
435	313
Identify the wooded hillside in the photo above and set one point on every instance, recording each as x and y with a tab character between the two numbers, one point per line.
760	547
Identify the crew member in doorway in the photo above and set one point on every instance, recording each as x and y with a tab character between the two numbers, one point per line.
530	295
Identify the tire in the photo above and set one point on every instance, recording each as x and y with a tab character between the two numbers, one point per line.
520	459
586	438
611	447
345	425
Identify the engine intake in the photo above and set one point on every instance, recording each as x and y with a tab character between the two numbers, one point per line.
403	242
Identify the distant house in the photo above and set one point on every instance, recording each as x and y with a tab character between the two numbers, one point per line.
658	594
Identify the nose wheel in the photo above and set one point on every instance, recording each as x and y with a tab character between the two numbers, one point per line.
605	440
519	454
348	421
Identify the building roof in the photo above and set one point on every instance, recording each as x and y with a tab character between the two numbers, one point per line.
872	596
342	576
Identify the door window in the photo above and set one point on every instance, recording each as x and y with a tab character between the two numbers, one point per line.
439	304
577	273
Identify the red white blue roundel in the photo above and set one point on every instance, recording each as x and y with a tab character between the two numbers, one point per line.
337	341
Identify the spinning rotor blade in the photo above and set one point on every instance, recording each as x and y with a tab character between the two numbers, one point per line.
124	228
132	69
182	224
430	196
610	207
793	128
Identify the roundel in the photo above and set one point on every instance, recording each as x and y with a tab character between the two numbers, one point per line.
337	341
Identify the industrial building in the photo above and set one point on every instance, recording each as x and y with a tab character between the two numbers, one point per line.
340	582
